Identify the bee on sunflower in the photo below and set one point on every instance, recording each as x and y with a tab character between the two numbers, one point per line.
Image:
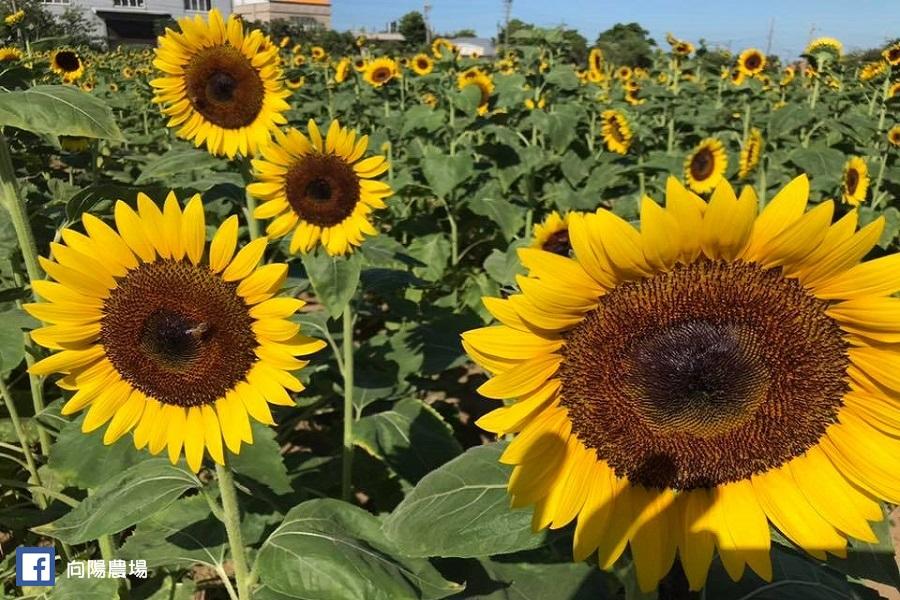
705	165
855	183
160	335
680	387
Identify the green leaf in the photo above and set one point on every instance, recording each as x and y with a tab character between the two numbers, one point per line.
527	577
411	438
261	460
334	279
183	534
818	161
89	588
83	460
432	250
462	510
501	211
785	120
504	266
445	173
58	110
12	338
177	161
332	550
84	199
875	562
123	501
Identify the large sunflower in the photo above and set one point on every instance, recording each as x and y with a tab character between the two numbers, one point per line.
220	85
750	153
380	71
615	131
706	165
156	335
322	190
855	182
751	62
680	387
67	64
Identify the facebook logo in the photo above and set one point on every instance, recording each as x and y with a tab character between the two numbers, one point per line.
35	566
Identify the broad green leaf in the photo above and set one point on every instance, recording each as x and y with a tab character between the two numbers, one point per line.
84	199
13	324
501	211
89	588
818	161
181	535
462	510
445	173
175	162
334	279
526	577
504	266
332	550
83	460
411	438
787	119
261	460
875	562
132	496
432	250
58	110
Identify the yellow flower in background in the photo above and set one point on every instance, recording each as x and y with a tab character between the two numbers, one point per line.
160	335
127	73
342	70
737	76
484	82
380	71
359	65
441	47
10	54
680	387
855	182
218	87
683	49
615	131
321	189
894	90
751	62
422	64
893	135
66	63
624	73
318	54
507	66
787	76
541	103
295	83
552	235
872	70
892	54
750	153
298	60
705	166
429	99
14	18
595	60
827	44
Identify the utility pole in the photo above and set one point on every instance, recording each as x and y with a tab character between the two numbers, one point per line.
507	11
771	34
426	12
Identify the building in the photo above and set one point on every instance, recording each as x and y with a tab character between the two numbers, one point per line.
138	21
315	14
134	21
475	47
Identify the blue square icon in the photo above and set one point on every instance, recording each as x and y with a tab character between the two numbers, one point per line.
35	566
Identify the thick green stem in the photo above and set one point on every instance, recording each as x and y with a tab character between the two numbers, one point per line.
761	193
815	94
670	142
876	200
347	451
746	120
23	440
884	99
232	514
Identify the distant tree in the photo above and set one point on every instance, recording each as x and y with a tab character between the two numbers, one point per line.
627	44
412	26
514	26
72	27
462	33
334	42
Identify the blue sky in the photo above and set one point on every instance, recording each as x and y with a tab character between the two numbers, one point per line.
857	23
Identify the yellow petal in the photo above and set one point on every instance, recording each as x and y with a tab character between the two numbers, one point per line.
194	438
727	223
193	229
246	260
221	249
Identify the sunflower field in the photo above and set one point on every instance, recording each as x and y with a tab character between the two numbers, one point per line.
276	323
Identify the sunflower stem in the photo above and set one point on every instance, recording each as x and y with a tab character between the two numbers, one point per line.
761	193
13	202
815	94
347	450
876	200
252	223
746	120
23	440
232	514
884	98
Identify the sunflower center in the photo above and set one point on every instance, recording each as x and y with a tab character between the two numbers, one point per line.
852	181
558	243
702	375
702	164
322	189
178	333
68	61
223	86
381	74
753	61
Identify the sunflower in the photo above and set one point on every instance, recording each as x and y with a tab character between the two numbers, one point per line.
552	235
683	49
440	47
616	131
14	18
321	189
894	90
403	62
380	71
88	85
507	66
624	73
787	76
872	70
429	99
751	62
10	54
705	166
66	63
595	76
298	60
156	339
360	41
128	73
422	64
359	65
825	44
631	95
750	153
284	42
892	54
484	82
531	103
295	83
342	70
219	86
855	181
595	60
737	76
893	135
680	387
318	53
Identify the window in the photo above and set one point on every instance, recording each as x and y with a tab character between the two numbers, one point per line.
129	3
203	5
55	1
